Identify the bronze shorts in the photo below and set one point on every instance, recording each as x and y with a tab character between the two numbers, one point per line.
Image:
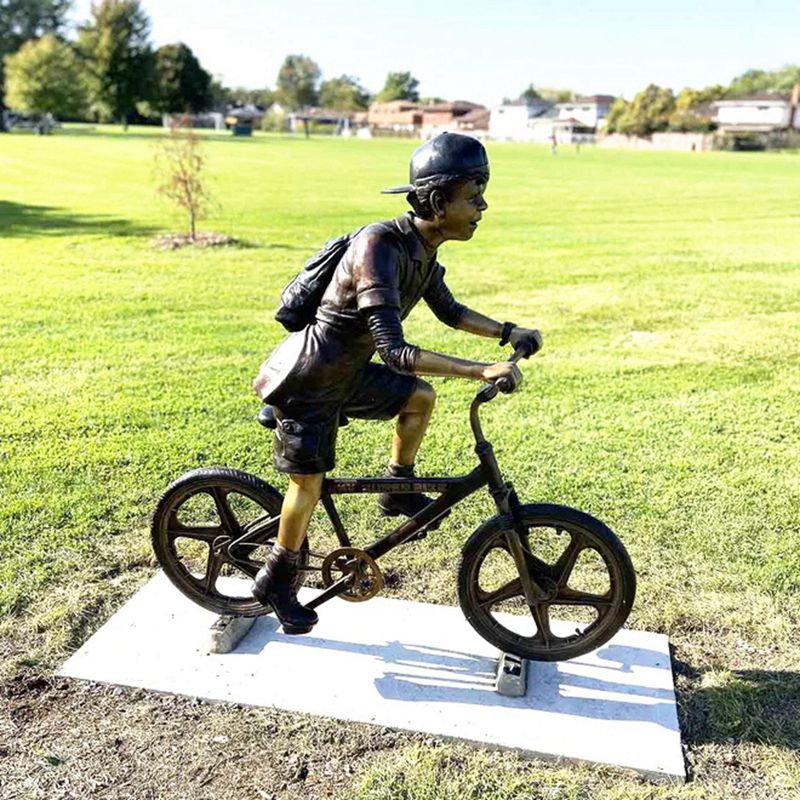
305	437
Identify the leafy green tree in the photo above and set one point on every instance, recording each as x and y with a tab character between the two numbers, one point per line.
21	20
753	81
533	95
45	76
241	96
180	84
530	95
298	82
556	95
685	117
618	108
343	94
711	93
399	86
116	47
647	113
759	81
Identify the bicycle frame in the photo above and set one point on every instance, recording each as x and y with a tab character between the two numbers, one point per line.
451	491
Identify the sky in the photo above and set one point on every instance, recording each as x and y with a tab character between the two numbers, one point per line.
484	50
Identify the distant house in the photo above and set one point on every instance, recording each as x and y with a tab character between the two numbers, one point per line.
512	121
587	111
571	122
475	122
441	117
758	113
396	116
401	117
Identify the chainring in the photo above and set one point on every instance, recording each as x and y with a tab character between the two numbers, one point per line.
367	577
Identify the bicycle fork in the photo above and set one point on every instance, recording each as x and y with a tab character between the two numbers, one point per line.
508	504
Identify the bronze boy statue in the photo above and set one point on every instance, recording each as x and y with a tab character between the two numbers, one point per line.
324	371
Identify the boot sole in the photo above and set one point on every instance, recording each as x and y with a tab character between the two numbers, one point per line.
289	629
296	630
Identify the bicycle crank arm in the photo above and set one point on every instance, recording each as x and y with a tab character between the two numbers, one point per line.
333	590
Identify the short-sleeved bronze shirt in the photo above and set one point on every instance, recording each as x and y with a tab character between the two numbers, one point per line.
386	265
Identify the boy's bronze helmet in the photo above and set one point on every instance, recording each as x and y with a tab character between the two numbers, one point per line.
451	155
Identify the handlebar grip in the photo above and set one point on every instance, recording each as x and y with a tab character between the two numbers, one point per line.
523	349
505	385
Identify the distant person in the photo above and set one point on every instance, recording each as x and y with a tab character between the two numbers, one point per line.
553	143
325	369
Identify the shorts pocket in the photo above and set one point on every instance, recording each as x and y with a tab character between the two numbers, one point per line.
298	442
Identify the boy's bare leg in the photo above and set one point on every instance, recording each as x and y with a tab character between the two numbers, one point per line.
274	583
412	422
301	497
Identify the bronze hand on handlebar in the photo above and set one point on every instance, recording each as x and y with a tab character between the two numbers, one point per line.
524	349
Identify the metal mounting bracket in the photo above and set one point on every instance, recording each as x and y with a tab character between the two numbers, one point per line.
511	678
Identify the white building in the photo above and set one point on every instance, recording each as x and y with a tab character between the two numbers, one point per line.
757	113
588	111
571	122
511	122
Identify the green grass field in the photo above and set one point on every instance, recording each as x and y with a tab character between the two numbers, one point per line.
665	402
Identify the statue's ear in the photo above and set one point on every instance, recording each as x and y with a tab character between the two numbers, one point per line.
438	201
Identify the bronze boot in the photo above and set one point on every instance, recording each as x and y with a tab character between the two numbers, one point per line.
406	503
274	585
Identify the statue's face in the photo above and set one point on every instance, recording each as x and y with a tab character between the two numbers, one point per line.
463	212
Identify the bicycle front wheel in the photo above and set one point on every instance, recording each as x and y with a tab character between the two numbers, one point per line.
584	574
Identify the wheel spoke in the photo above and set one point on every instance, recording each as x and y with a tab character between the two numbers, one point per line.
541	616
562	569
204	534
572	597
213	566
505	592
229	522
260	528
536	566
247	568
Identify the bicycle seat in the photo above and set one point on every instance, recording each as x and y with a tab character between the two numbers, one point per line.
267	418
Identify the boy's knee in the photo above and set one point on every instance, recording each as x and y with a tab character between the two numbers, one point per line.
422	399
307	484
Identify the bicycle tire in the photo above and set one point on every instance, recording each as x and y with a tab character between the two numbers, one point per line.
503	627
213	486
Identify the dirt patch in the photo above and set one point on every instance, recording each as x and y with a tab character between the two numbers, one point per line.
63	739
174	241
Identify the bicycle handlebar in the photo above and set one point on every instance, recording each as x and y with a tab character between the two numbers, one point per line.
524	349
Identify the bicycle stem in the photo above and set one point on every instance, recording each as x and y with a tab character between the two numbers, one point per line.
489	392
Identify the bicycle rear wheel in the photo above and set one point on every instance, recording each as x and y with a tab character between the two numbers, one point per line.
196	521
586	576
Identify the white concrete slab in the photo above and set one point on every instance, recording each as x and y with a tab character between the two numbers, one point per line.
413	666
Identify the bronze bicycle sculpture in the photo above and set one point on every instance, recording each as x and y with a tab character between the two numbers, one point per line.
541	581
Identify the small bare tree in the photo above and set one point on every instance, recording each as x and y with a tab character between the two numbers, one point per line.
180	166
